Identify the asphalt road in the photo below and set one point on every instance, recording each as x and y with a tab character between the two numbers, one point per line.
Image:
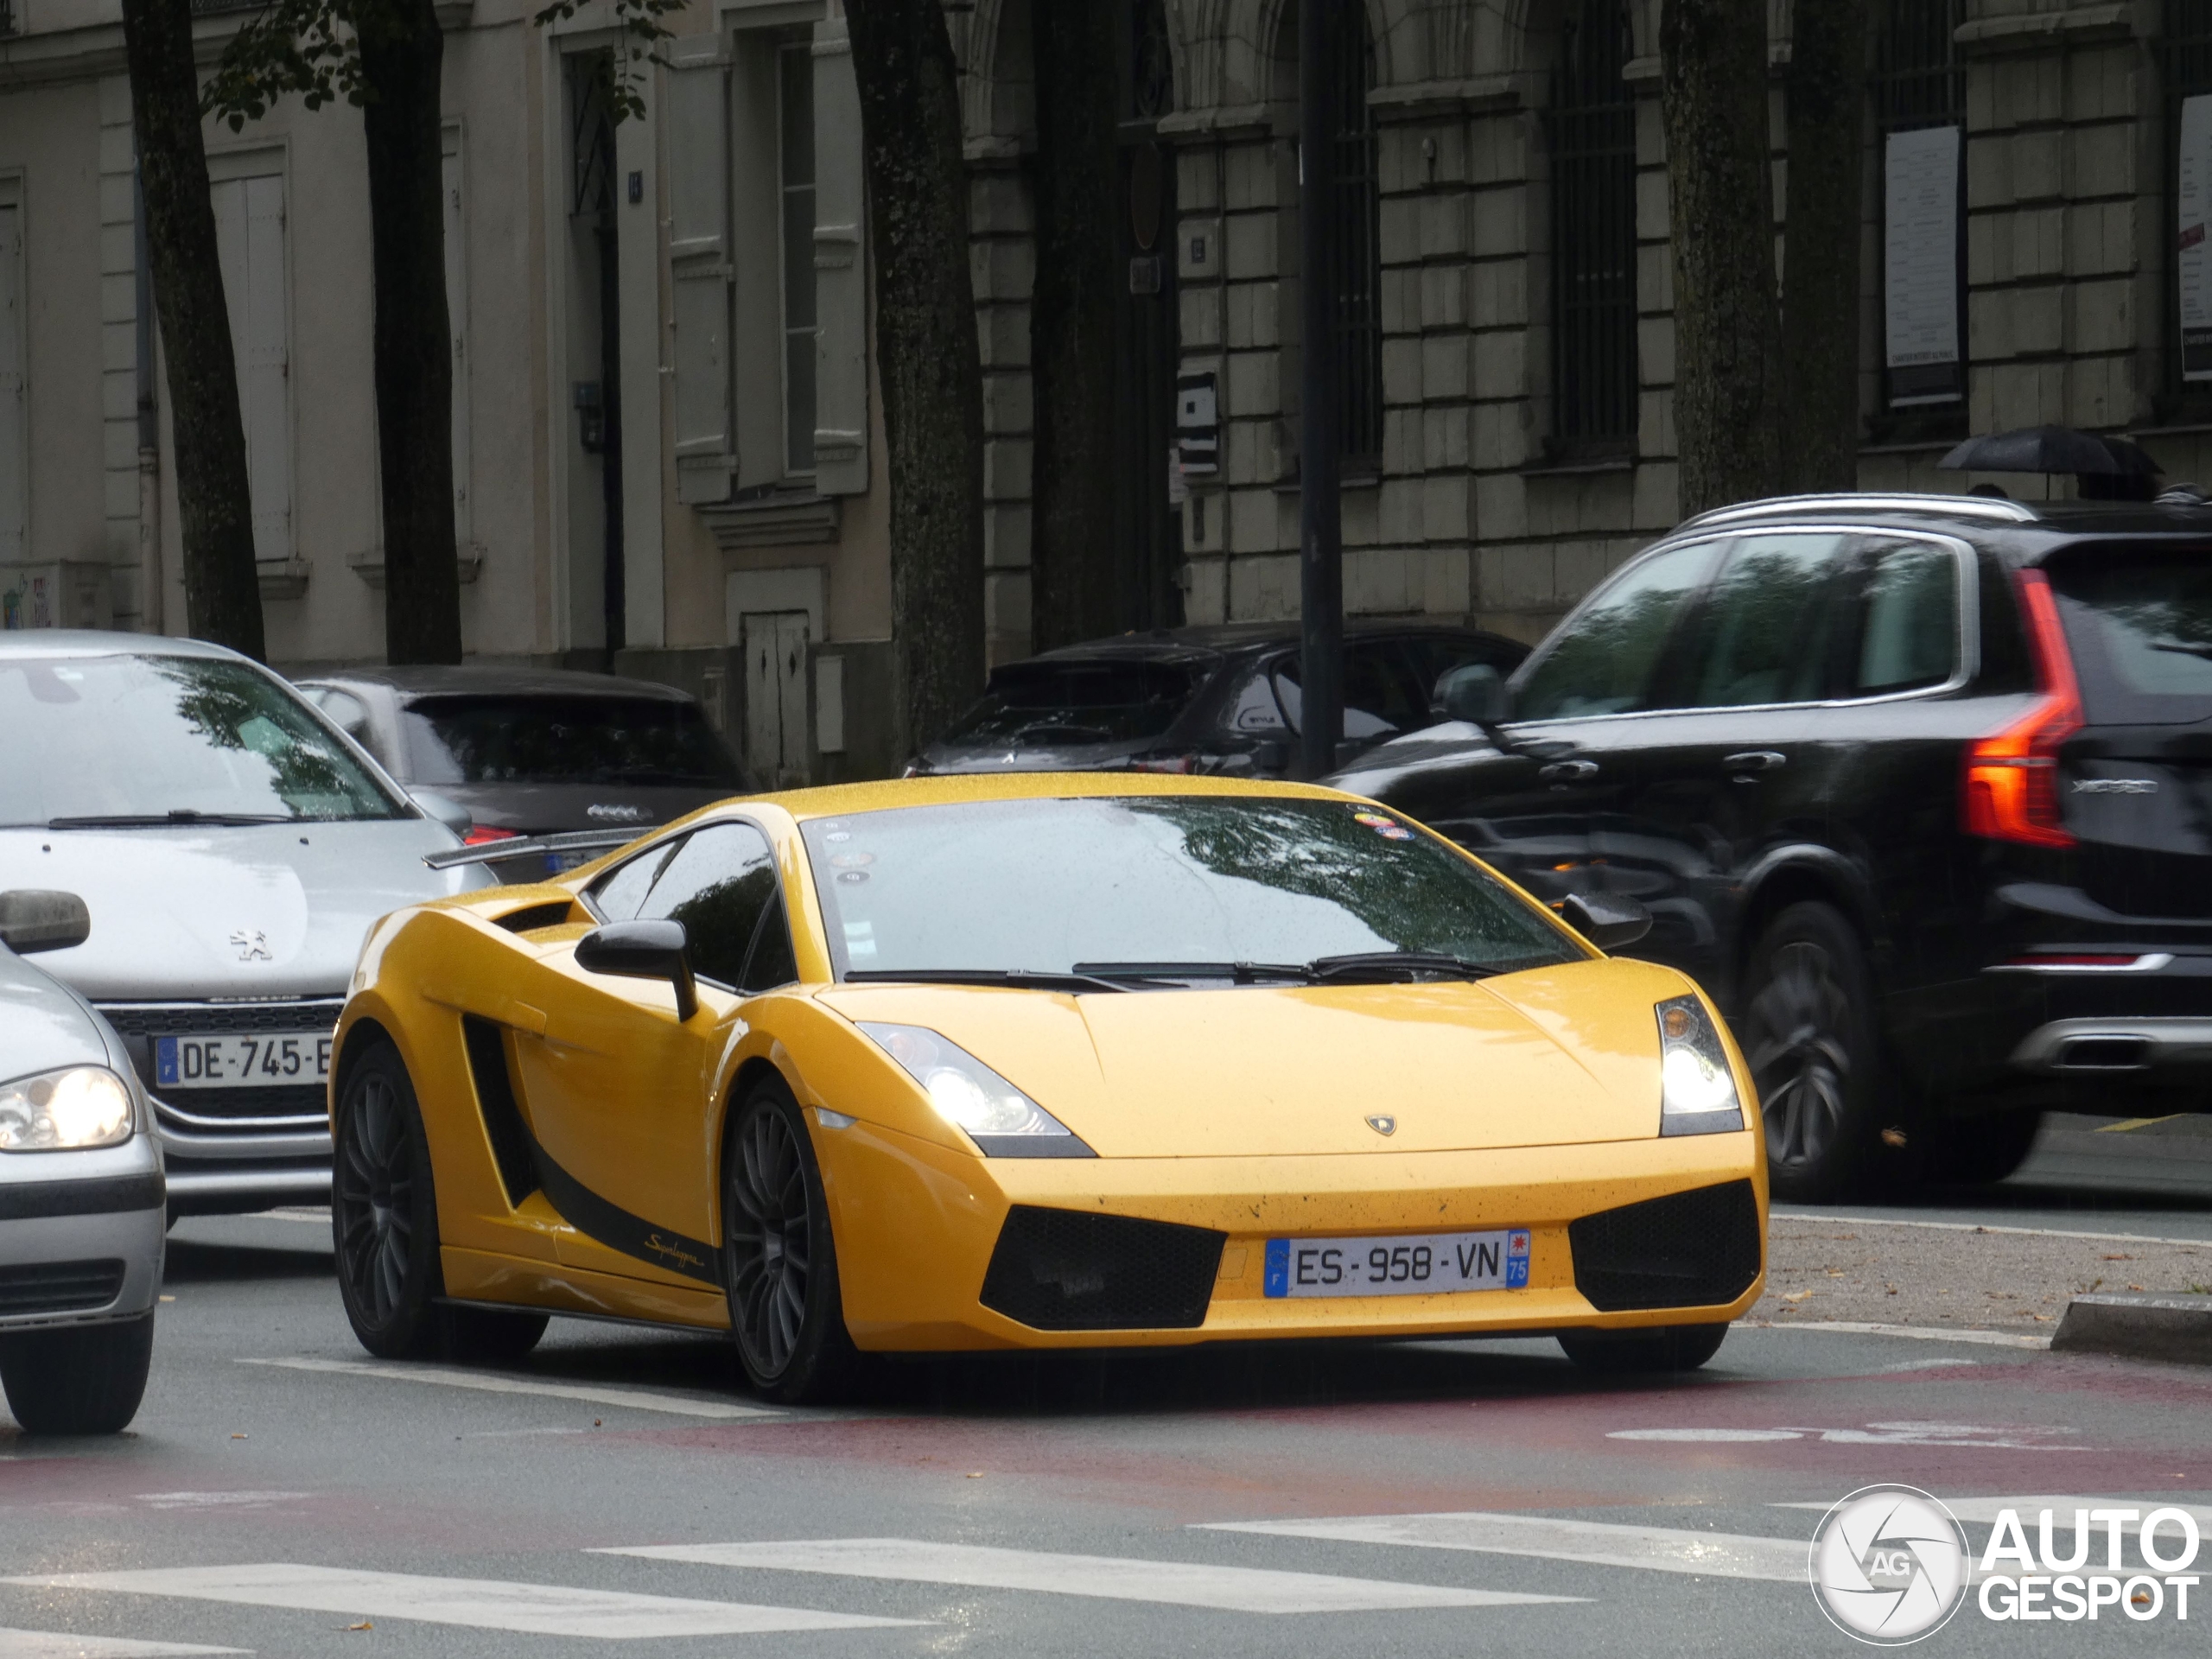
279	1489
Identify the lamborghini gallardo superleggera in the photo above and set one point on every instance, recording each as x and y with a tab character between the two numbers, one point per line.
1037	1062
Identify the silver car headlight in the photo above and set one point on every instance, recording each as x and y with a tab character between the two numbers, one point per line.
76	1106
1697	1091
997	1115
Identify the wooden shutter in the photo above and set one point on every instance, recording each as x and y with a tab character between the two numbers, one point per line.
840	269
699	270
250	239
14	493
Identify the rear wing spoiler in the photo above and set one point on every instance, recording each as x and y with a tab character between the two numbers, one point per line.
574	841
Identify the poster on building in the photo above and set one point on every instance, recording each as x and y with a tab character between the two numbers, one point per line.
2192	259
1920	176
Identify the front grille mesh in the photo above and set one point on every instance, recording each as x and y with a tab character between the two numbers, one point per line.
1697	1248
1071	1270
59	1286
243	1110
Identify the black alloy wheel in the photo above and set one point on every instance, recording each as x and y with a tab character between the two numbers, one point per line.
1630	1353
779	1261
1807	1037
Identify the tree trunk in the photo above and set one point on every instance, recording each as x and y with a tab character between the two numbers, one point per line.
1071	327
926	354
222	593
1821	247
400	65
1727	328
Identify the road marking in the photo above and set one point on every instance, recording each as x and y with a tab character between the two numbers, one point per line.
218	1500
2127	1123
1185	1584
1917	1332
1706	1436
1984	1510
490	1383
1605	1543
1976	1227
1973	1434
59	1645
482	1604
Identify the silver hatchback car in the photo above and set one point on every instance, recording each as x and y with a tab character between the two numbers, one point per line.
80	1191
233	847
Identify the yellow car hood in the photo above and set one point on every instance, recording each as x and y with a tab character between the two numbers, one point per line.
1553	1056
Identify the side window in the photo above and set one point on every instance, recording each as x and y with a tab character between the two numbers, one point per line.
1603	661
718	885
1763	634
1256	709
773	962
1435	656
621	890
1909	612
1380	697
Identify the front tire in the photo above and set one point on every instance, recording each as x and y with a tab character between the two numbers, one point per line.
779	1260
383	1210
1633	1353
1808	1038
83	1379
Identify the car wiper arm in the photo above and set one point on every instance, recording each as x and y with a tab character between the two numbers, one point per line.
2186	651
1241	973
162	820
1018	978
1365	964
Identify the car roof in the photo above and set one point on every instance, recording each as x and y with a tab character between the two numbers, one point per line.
2025	530
1207	641
91	642
955	789
494	680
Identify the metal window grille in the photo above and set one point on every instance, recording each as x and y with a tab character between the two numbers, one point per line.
2185	58
1592	128
1357	244
1920	82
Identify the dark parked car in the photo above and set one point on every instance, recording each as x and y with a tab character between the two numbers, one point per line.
1205	699
534	751
1919	786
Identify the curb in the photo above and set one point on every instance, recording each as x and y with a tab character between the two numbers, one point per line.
2142	1327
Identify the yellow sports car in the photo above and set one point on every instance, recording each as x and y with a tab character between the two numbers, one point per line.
1037	1062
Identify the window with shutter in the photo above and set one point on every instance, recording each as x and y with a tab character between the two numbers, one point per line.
699	272
840	269
250	240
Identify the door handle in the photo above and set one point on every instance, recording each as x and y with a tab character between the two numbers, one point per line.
1756	760
1568	771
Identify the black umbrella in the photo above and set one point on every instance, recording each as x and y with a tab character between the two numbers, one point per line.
2051	449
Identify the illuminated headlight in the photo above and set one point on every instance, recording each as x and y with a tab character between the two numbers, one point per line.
59	1111
997	1115
1697	1091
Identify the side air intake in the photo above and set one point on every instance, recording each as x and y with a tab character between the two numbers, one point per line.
1071	1270
495	1099
1697	1248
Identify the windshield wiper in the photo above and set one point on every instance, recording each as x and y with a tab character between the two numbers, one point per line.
2186	651
1241	973
1018	978
162	820
1394	964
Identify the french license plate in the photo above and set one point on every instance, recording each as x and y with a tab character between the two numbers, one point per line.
260	1060
1406	1265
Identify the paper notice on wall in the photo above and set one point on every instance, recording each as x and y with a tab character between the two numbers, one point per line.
1920	174
2192	259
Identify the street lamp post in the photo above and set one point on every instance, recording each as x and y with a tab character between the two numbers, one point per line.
1321	592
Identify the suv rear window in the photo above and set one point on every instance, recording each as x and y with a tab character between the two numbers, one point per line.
2140	622
1050	704
641	741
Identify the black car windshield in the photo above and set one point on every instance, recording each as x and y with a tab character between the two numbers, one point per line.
135	741
2140	621
1053	704
641	741
1041	885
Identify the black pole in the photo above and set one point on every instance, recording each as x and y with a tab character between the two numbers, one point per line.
1320	586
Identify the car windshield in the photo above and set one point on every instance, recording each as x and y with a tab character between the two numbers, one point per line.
588	740
2140	621
1046	704
1099	884
131	742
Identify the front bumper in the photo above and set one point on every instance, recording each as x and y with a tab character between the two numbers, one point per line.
917	1225
82	1246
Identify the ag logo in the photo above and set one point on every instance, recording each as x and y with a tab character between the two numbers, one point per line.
1889	1565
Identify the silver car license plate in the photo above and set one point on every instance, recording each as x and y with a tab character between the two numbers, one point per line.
254	1060
1409	1264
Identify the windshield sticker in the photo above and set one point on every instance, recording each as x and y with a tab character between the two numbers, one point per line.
1394	832
853	877
1374	820
860	939
852	861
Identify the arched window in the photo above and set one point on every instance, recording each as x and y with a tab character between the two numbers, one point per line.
1357	246
1593	136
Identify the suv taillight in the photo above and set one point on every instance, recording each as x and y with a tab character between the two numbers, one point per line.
2011	776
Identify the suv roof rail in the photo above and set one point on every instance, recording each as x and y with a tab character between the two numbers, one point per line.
1969	506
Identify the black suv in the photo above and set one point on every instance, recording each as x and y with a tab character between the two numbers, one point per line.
1920	787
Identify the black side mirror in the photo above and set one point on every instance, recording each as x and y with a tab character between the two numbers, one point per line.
1473	692
1271	755
1606	919
642	950
32	919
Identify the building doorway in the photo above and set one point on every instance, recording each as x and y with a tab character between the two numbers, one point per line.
596	587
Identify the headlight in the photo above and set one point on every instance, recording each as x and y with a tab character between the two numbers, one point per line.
59	1111
1697	1091
997	1115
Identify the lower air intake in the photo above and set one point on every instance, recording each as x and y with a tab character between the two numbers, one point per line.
1071	1270
59	1287
1689	1249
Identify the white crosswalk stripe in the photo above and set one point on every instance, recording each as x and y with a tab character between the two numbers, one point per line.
1604	1543
492	1382
484	1604
1188	1584
61	1644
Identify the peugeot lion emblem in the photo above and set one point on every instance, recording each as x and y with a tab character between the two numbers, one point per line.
1383	1124
252	944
